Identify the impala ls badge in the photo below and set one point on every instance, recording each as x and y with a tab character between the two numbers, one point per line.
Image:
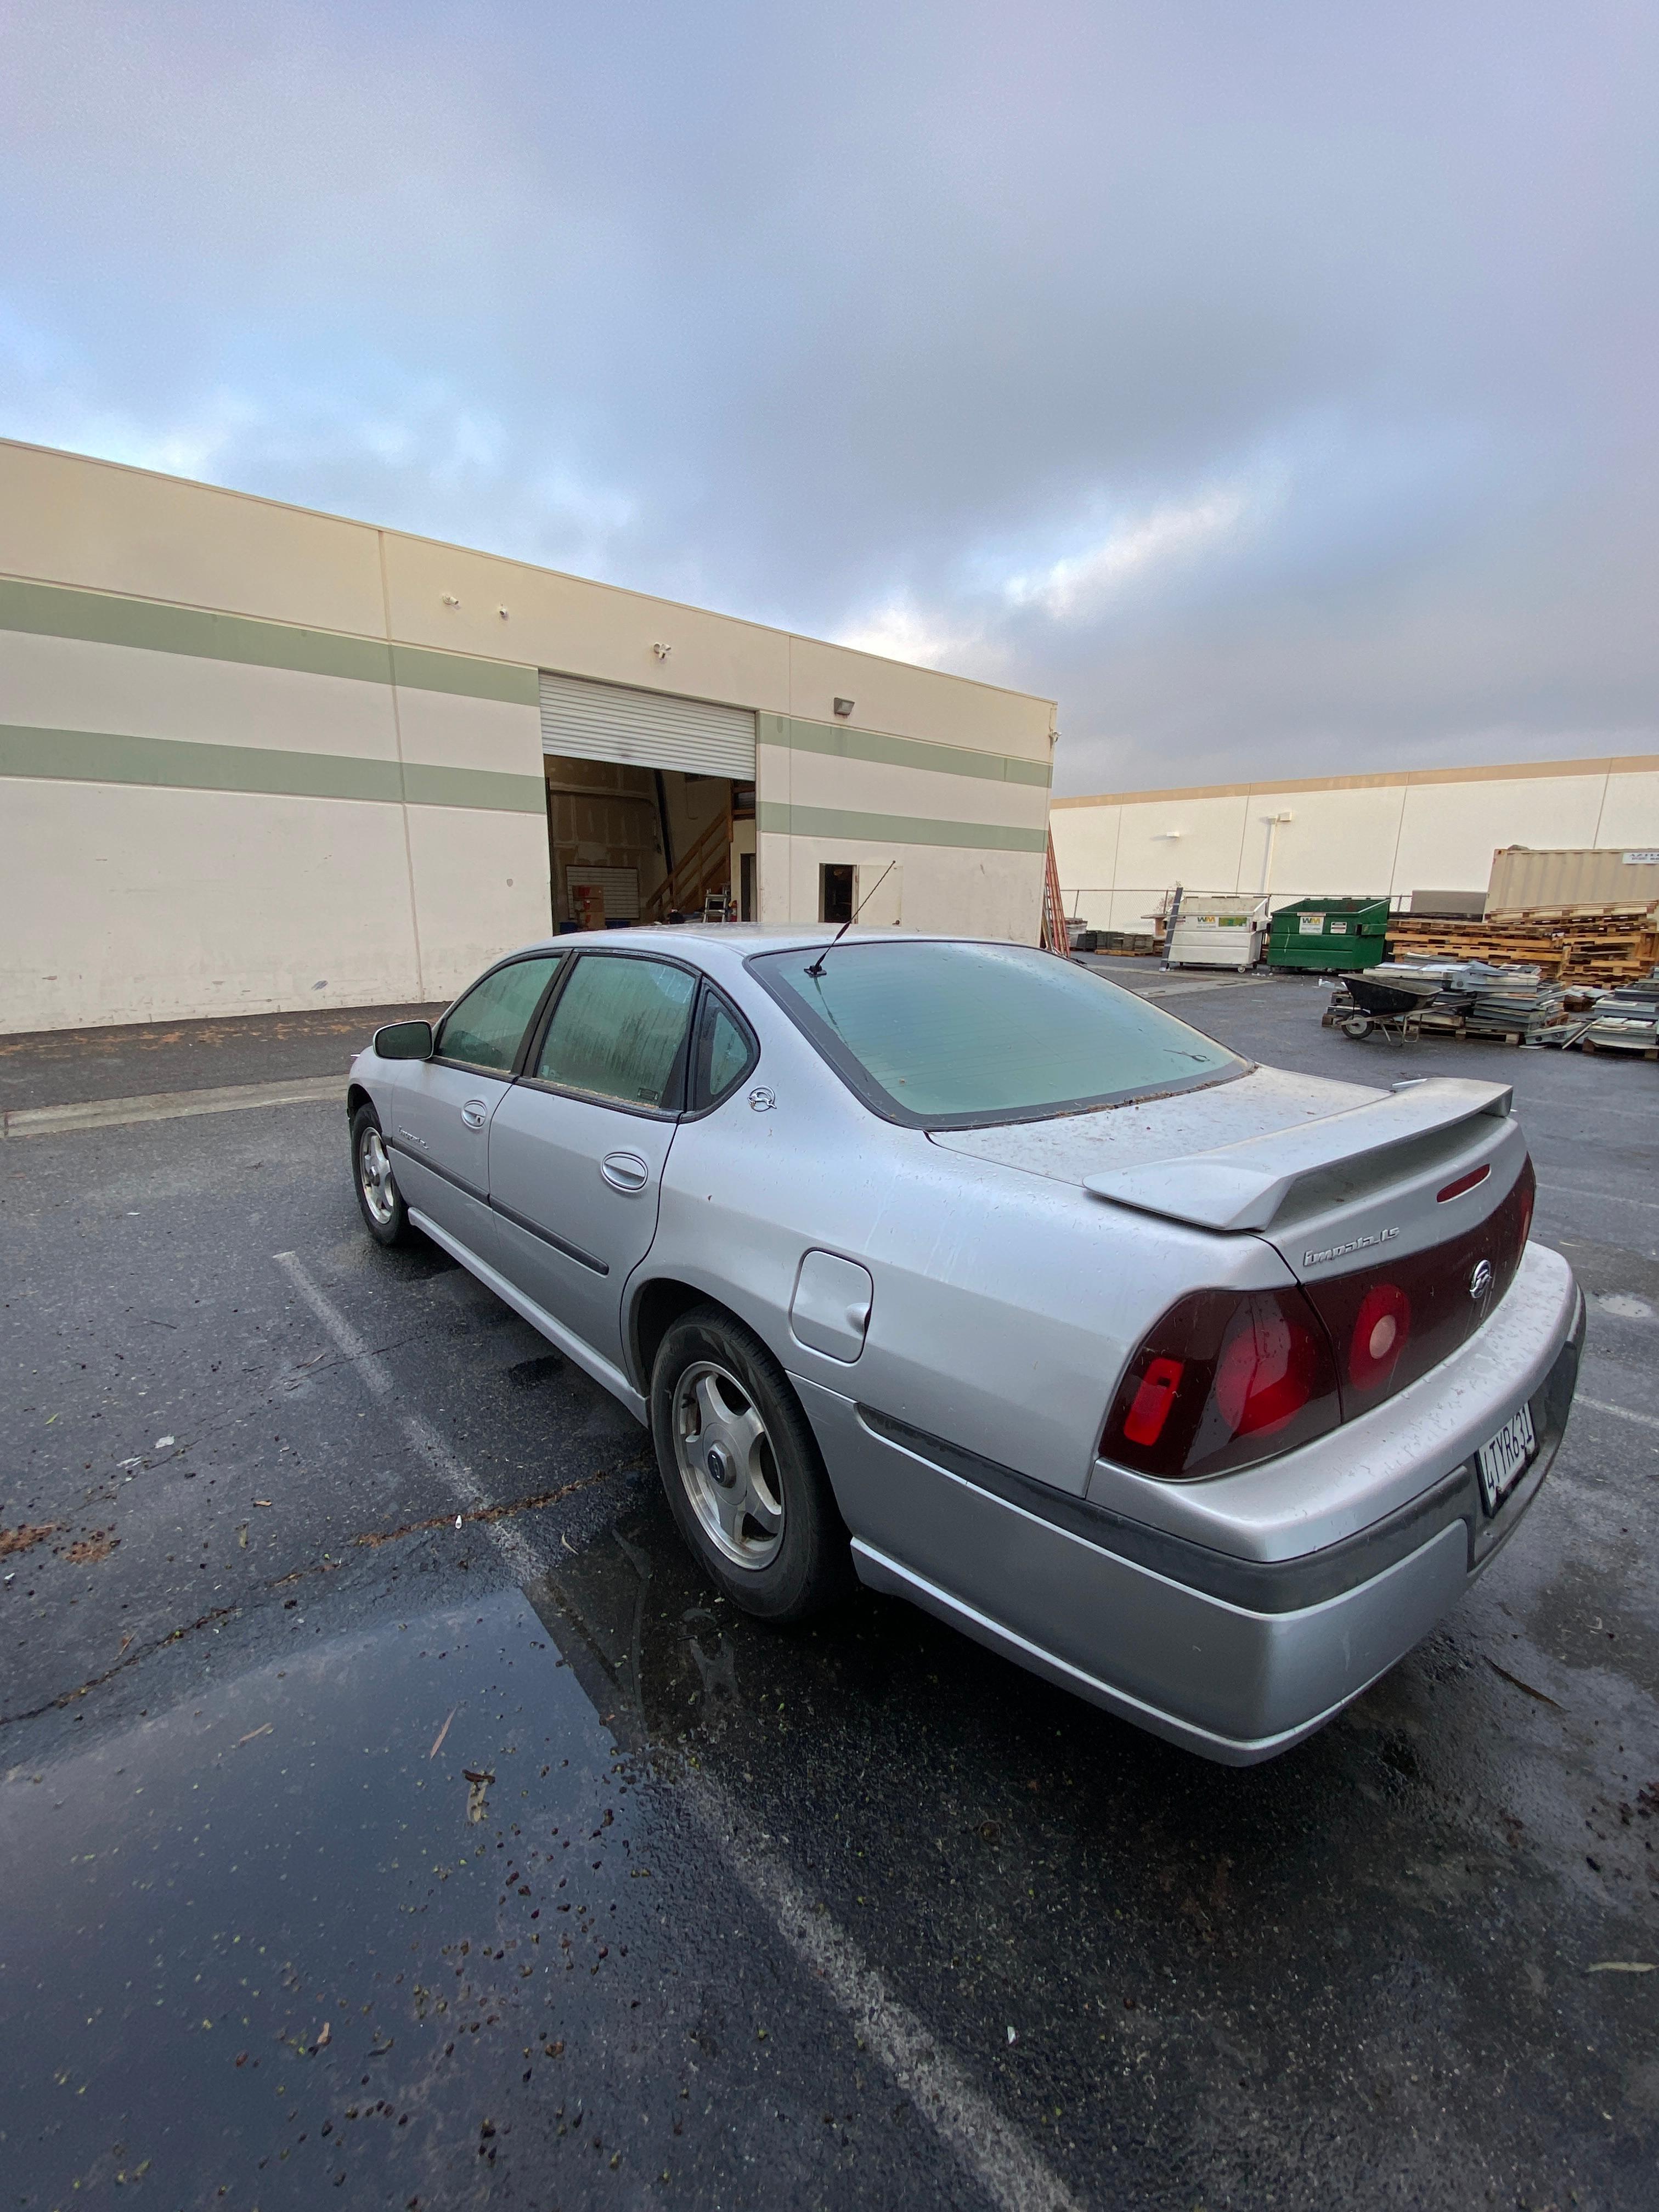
1353	1244
1481	1280
410	1137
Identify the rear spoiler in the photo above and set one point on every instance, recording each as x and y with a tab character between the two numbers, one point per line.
1244	1186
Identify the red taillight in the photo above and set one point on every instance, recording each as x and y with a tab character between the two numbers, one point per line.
1434	1299
1144	1424
1268	1371
1380	1330
1469	1182
1227	1377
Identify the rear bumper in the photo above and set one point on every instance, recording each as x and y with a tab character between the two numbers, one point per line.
1236	1658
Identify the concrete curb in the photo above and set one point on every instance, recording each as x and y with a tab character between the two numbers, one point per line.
168	1106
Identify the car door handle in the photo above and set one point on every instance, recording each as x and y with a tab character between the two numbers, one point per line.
624	1170
476	1113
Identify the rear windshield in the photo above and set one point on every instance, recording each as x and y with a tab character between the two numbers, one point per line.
950	1035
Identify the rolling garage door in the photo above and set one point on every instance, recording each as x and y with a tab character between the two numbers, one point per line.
646	729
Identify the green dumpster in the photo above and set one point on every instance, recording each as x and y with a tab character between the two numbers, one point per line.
1329	933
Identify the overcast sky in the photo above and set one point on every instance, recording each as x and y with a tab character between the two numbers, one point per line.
1275	385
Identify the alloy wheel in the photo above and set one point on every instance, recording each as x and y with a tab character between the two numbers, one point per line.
726	1464
374	1171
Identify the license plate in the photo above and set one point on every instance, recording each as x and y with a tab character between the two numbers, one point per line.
1506	1457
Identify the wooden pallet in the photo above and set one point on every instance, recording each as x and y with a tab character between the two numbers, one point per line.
1565	946
1647	1051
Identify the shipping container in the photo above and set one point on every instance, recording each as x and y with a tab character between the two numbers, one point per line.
1526	878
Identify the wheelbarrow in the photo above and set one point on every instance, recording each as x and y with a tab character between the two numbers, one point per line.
1385	1006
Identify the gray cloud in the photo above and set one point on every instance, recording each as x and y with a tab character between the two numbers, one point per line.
1274	386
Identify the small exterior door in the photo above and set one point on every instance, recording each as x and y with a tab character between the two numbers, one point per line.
576	1149
441	1107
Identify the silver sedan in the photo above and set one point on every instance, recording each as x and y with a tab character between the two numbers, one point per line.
1202	1388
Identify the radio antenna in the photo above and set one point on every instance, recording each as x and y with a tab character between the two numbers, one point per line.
817	967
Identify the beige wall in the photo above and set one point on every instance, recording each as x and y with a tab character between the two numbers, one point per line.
132	902
937	888
967	826
75	521
252	757
1433	830
138	898
67	520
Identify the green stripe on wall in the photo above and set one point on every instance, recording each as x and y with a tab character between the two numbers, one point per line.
170	765
895	828
845	743
419	669
104	618
493	789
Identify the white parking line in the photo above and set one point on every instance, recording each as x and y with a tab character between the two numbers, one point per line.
1600	1406
525	1563
1181	990
167	1105
1012	2173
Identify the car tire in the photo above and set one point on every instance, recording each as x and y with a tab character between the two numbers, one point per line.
744	1478
378	1198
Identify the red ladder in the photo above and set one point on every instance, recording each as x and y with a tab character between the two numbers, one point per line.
1055	937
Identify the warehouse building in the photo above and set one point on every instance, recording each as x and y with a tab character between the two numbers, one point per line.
1418	834
255	758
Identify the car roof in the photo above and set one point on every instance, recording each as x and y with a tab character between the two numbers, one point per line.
740	939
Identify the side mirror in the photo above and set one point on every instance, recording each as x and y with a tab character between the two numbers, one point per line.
405	1040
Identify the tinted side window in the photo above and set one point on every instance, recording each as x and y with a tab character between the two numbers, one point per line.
486	1028
619	1031
726	1052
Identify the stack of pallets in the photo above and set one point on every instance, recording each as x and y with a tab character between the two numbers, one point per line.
1517	1004
1477	999
1588	944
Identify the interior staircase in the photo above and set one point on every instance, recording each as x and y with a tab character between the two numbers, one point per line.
690	886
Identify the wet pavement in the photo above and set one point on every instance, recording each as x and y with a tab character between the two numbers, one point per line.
394	1915
59	1067
860	1915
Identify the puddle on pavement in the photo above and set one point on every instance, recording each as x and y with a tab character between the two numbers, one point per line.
407	1915
346	1918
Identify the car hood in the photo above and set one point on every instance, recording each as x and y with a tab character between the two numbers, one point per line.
1074	1146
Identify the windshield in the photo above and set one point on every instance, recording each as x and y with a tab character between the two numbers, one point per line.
952	1034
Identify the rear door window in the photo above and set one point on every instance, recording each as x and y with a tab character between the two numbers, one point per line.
620	1031
486	1027
725	1052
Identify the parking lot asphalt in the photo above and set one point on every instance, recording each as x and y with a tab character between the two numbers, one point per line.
57	1067
386	1804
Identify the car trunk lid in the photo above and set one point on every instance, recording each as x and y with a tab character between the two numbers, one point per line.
1146	1132
1328	1181
1402	1214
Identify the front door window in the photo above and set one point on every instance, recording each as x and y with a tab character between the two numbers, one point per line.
440	1127
486	1027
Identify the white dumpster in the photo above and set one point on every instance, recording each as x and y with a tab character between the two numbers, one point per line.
1219	932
